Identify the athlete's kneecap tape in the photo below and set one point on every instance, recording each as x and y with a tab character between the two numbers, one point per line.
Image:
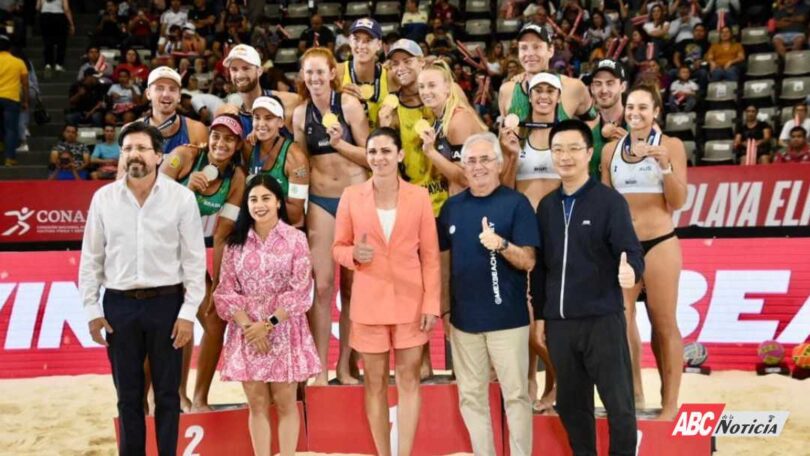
298	191
229	211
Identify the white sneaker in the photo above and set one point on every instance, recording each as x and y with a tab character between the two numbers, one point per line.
22	148
48	67
59	68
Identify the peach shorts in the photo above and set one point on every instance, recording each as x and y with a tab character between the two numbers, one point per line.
382	338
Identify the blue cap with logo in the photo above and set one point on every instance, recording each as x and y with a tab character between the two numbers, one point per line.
368	25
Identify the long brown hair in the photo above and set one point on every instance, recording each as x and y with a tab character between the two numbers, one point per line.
335	83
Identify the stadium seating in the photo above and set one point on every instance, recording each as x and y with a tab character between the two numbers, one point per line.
794	90
797	63
718	125
762	65
759	92
718	152
681	125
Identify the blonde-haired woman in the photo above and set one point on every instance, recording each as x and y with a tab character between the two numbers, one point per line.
455	121
332	128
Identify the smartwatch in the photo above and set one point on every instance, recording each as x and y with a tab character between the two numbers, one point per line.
504	245
273	320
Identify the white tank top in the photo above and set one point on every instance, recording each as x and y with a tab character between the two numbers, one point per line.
535	164
52	6
642	177
387	219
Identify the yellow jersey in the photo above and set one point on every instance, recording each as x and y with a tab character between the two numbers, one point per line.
12	70
418	167
380	87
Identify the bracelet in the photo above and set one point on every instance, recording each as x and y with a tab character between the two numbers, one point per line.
667	170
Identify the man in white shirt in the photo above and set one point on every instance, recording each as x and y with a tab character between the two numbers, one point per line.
681	28
143	242
800	114
172	16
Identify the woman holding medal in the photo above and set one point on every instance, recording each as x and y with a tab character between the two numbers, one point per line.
649	169
218	183
455	121
363	76
332	128
278	156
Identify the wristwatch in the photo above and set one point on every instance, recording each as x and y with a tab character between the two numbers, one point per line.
273	320
503	246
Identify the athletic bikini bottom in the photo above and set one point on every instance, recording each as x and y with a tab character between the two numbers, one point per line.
649	244
328	204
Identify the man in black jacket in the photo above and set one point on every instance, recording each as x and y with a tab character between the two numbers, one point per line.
589	252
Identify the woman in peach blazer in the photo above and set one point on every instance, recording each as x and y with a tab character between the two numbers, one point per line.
385	232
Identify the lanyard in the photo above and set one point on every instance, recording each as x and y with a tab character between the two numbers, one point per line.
168	123
377	77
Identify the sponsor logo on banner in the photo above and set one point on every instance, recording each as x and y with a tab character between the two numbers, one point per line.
701	420
747	196
45	211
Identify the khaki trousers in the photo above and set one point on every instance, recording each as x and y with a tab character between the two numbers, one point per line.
508	352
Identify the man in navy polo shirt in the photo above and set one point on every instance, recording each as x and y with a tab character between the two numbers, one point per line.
488	235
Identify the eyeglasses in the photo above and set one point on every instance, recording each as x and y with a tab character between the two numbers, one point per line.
483	161
572	150
138	149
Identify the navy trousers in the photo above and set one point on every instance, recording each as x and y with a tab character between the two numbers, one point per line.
140	328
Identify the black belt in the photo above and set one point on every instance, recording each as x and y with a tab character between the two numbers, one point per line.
148	293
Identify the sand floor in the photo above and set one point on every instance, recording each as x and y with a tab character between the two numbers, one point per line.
73	415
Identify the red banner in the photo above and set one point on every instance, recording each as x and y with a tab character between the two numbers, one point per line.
45	210
747	196
734	294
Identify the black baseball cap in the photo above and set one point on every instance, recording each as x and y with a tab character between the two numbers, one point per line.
538	30
611	66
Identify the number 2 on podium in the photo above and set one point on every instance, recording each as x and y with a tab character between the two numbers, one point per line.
196	434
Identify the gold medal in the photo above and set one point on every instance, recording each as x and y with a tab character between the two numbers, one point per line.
329	119
421	126
366	91
391	100
511	121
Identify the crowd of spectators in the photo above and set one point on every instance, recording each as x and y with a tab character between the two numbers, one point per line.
681	45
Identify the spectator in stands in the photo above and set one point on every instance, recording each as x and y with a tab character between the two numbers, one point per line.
108	33
692	53
192	43
533	9
496	60
539	16
98	63
175	15
725	57
274	79
233	23
657	26
14	94
125	97
79	151
616	12
56	22
512	69
682	27
65	168
729	9
797	150
86	102
800	119
753	128
599	31
265	36
203	19
446	13
132	64
105	155
791	24
440	39
636	49
140	28
206	105
317	35
683	92
414	25
170	43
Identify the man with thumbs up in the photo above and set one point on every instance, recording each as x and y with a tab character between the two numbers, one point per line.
589	252
488	236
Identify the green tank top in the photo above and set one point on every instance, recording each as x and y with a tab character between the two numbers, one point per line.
522	107
277	171
598	143
210	204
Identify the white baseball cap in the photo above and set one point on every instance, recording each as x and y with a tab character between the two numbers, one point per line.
164	72
270	104
244	52
546	78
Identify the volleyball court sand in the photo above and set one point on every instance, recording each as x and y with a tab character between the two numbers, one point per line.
73	415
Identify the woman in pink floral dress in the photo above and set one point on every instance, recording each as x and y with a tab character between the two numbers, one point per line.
263	294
